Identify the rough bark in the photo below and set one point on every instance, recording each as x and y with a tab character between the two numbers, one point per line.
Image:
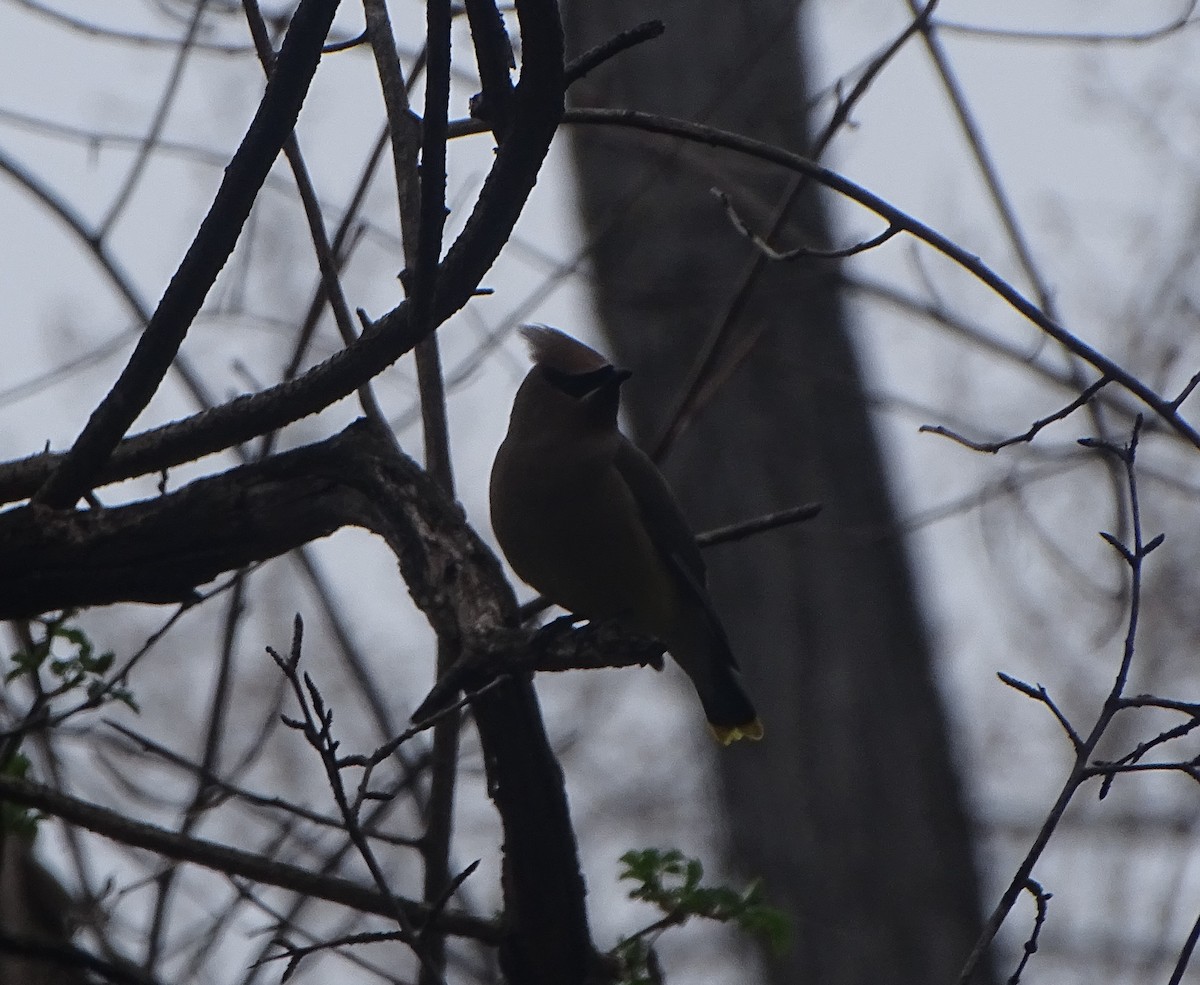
850	807
158	550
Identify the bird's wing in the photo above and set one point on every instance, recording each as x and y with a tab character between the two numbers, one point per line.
660	512
668	529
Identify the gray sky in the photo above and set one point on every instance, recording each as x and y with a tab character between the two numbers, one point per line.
1095	147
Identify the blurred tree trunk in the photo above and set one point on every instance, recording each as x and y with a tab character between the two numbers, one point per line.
34	920
850	807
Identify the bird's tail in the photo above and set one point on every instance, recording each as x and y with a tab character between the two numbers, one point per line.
730	714
700	647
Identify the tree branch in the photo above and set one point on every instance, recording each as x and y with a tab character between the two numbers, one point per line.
215	240
231	861
158	549
715	137
537	110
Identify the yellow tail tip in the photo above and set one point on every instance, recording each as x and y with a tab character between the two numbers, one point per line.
726	734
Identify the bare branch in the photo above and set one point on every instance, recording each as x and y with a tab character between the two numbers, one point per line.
704	378
1081	769
593	58
240	793
771	253
231	861
1041	900
538	109
993	447
317	728
1185	955
700	133
758	525
1039	693
1178	23
327	260
146	147
218	233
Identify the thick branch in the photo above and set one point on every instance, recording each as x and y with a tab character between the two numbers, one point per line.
548	941
159	549
537	109
215	240
494	56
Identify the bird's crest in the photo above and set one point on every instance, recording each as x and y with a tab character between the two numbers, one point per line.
558	351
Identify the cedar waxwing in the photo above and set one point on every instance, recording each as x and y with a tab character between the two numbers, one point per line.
586	519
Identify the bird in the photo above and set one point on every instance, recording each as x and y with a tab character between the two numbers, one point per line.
586	519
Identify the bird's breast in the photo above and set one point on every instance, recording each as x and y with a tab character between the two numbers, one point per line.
577	536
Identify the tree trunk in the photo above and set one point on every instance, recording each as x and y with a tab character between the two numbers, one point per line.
35	936
850	807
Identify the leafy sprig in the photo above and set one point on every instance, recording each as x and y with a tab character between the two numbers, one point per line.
673	882
68	654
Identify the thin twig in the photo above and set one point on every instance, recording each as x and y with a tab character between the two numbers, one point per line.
316	727
214	733
328	262
294	954
243	794
422	724
1168	704
421	235
440	902
1007	213
715	137
1039	693
1185	954
108	263
1041	900
698	387
577	68
230	861
148	144
810	252
1109	770
1134	556
1178	23
758	525
214	241
1186	391
137	39
995	446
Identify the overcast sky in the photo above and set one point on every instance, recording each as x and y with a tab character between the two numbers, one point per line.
1096	148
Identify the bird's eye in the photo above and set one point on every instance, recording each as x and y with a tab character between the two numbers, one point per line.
579	385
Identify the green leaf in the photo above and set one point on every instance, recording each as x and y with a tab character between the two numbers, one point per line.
15	819
672	882
80	666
